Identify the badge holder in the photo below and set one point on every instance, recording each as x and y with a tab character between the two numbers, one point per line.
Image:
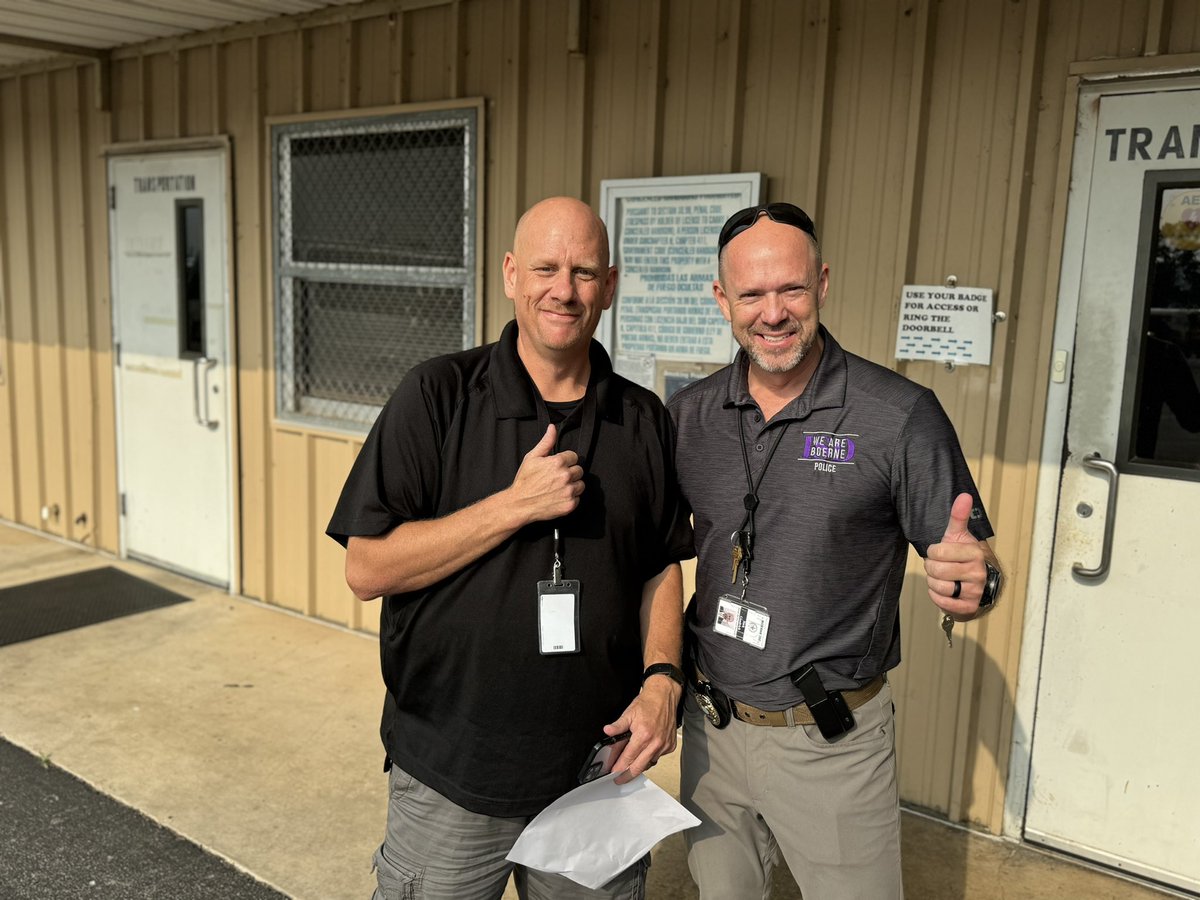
713	703
737	617
558	611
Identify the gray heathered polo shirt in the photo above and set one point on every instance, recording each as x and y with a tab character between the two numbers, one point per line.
869	464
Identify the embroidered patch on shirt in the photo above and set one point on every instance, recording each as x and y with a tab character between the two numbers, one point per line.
824	446
826	450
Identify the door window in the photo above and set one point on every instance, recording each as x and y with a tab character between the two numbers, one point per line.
1160	423
189	236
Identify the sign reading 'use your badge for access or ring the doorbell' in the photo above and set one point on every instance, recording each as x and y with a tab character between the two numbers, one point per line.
945	324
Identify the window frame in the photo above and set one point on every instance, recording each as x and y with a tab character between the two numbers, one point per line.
1154	183
290	405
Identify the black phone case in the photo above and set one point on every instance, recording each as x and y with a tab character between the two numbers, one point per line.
828	708
587	774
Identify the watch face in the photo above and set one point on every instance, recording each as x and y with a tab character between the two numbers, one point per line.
991	587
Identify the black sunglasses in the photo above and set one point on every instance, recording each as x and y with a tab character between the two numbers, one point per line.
784	213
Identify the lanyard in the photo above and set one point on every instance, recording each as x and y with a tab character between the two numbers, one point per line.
743	538
587	412
587	424
557	568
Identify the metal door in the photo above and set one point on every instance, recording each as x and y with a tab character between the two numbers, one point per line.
1113	772
171	323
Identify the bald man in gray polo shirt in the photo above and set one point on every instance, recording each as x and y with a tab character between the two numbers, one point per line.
809	472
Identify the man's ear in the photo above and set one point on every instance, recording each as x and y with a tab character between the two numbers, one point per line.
610	287
722	300
510	276
823	286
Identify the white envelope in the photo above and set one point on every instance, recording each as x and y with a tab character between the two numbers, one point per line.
598	830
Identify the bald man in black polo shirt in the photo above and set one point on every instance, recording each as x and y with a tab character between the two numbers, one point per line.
516	505
809	471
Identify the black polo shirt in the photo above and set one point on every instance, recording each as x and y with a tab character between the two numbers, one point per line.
473	710
869	463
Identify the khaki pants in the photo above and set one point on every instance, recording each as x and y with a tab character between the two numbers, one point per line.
831	809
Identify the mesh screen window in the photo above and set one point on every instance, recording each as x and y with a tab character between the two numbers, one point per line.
375	225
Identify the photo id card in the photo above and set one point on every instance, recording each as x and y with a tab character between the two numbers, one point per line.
558	616
740	619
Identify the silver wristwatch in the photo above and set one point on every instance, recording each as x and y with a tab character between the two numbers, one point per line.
991	587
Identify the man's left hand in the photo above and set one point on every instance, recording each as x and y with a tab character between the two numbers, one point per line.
650	719
957	563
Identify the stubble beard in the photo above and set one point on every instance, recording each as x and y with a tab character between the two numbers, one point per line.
774	364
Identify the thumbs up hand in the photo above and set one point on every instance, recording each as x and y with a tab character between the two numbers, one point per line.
954	566
548	484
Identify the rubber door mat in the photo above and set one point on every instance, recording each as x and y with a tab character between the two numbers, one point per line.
45	607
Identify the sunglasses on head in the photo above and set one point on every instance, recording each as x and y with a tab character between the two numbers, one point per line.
784	213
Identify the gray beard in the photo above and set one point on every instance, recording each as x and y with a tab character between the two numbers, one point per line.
774	365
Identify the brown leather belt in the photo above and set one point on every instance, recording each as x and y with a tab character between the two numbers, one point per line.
800	714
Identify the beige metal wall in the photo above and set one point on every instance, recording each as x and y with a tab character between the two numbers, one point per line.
925	137
57	446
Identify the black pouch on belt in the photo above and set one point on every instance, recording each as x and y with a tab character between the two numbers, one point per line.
828	708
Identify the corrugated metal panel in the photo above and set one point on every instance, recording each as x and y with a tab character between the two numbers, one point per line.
104	24
914	131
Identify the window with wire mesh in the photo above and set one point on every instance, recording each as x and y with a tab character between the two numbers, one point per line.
375	257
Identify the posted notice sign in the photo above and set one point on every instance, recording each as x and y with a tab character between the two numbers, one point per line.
945	324
663	233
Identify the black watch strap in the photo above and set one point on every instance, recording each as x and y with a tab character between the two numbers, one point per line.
668	669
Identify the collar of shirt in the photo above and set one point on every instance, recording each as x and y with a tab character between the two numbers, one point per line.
517	398
826	389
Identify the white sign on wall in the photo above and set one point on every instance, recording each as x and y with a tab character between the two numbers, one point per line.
664	240
945	324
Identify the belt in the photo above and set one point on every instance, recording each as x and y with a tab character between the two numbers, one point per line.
800	713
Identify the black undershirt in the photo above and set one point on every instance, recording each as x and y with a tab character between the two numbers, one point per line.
561	410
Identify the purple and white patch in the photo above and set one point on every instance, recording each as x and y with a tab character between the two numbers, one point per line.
822	446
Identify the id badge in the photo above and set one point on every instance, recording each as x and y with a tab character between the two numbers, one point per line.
558	616
742	620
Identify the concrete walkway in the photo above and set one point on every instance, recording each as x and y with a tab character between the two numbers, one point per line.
253	733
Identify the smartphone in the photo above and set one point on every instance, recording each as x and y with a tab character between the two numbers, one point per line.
601	757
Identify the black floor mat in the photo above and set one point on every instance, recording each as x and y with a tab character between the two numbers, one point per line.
60	838
40	608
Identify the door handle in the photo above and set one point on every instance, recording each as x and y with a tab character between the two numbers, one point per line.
1110	516
200	389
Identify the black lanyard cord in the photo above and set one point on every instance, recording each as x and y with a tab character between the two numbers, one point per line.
588	412
750	501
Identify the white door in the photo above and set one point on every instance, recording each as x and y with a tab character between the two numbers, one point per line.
170	313
1115	775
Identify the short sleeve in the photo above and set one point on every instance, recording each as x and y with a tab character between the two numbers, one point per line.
678	539
928	472
397	474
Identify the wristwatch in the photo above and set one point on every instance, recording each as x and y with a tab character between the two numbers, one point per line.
668	669
991	587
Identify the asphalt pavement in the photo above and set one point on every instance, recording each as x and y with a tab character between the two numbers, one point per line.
61	838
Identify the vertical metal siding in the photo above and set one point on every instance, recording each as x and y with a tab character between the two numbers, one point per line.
925	137
55	382
243	103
